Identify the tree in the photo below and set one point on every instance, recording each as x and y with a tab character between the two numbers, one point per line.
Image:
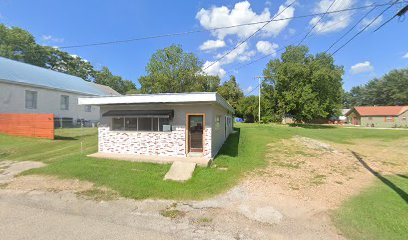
231	92
248	108
105	77
305	86
391	89
172	70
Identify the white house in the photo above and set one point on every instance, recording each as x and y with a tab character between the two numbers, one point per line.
166	125
26	88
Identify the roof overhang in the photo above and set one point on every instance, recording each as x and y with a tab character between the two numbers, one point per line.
140	113
161	98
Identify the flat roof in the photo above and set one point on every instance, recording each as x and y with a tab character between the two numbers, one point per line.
165	98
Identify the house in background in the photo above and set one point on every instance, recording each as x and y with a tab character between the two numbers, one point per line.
26	88
178	125
379	116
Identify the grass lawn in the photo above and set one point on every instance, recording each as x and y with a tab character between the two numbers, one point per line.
377	213
243	152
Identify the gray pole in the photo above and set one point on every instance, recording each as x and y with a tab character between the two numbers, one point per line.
259	97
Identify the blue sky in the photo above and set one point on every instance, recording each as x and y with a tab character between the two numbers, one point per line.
58	23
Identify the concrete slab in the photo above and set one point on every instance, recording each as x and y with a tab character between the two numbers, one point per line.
180	171
11	169
201	161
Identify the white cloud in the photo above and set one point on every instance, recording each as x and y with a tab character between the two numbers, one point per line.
266	47
242	13
212	44
361	68
405	55
241	54
248	89
49	38
335	21
214	70
367	21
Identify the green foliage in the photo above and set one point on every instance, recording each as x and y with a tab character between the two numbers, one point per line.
248	108
171	70
20	45
377	213
389	90
304	86
105	77
231	92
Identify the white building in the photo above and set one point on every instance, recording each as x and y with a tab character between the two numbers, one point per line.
163	125
25	88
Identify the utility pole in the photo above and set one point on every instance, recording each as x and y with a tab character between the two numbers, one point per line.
259	101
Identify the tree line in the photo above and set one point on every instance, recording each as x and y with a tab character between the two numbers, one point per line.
300	85
20	45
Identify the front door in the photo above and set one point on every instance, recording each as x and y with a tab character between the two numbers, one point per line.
195	133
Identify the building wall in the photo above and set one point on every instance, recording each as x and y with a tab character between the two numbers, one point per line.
12	100
383	121
156	143
221	129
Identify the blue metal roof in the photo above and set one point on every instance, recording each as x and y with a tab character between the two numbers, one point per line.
23	73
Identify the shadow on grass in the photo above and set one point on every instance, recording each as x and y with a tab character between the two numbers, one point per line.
387	182
58	137
230	147
312	126
402	176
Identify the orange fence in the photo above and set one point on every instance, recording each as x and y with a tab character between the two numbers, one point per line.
29	125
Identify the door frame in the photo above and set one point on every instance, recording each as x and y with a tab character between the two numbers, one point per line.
188	129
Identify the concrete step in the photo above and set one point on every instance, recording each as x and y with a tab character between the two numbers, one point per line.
180	171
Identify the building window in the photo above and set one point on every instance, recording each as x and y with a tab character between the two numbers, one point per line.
142	124
389	119
64	102
370	118
404	118
31	99
88	108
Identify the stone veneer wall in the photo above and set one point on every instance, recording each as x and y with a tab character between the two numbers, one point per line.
148	143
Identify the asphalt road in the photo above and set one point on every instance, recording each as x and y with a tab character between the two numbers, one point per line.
24	222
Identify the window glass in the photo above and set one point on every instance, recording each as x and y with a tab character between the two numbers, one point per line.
31	99
145	124
164	121
64	102
118	124
88	108
131	124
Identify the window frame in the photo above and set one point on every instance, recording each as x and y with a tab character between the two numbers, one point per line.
160	130
66	104
34	100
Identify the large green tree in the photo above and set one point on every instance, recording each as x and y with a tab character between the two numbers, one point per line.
305	86
391	89
20	45
231	91
248	108
105	77
172	70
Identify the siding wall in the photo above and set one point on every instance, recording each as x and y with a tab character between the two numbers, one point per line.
220	131
29	125
156	143
12	100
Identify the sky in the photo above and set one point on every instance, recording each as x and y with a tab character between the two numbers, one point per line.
369	55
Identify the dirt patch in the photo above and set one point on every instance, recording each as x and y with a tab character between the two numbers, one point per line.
48	183
99	194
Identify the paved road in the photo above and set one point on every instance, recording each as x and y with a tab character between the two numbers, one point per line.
23	222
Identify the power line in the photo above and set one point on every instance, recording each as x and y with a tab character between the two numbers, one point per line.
281	49
351	29
399	14
362	30
253	89
218	28
307	34
246	39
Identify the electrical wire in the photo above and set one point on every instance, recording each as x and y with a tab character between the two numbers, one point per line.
362	30
249	37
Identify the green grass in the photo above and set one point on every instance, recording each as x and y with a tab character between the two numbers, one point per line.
377	213
243	152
